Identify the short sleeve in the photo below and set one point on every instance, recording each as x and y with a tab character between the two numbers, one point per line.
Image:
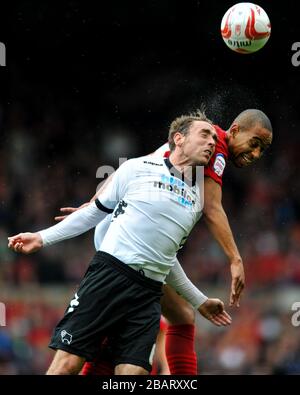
215	168
117	188
216	165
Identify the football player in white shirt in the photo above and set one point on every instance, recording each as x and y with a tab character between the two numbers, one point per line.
144	235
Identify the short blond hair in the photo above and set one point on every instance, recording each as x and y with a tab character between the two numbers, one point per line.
182	124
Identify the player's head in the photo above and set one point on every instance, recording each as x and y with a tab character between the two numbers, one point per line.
194	136
249	136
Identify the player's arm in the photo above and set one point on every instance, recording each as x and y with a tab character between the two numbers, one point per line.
218	224
78	222
211	309
179	281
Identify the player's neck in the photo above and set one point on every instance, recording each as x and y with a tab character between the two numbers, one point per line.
183	164
227	135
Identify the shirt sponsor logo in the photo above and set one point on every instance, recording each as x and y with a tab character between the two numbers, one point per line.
219	164
177	187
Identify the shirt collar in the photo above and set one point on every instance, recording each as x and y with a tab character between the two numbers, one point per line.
176	173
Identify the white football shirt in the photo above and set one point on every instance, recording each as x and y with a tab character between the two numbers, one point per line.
102	227
153	213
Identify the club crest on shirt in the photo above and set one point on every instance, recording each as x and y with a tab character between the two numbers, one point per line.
219	164
66	337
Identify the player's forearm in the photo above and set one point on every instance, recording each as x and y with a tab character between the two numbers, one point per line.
75	224
179	281
217	222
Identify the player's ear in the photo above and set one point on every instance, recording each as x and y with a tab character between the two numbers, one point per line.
234	130
178	139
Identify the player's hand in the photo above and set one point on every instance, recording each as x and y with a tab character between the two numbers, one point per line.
237	282
68	211
25	242
213	310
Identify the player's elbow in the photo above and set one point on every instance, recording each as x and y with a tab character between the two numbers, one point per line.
211	207
213	211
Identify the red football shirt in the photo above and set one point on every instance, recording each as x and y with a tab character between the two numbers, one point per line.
217	163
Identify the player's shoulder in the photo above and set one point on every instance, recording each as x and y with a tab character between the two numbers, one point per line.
162	151
222	144
147	160
221	133
152	160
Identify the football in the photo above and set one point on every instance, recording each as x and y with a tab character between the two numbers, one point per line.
245	28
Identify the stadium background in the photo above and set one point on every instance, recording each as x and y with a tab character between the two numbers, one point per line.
87	84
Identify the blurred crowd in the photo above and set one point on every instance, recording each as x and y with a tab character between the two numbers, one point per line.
48	162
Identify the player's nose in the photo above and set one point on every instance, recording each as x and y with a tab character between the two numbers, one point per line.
212	142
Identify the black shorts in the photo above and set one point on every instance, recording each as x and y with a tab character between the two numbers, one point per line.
114	301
